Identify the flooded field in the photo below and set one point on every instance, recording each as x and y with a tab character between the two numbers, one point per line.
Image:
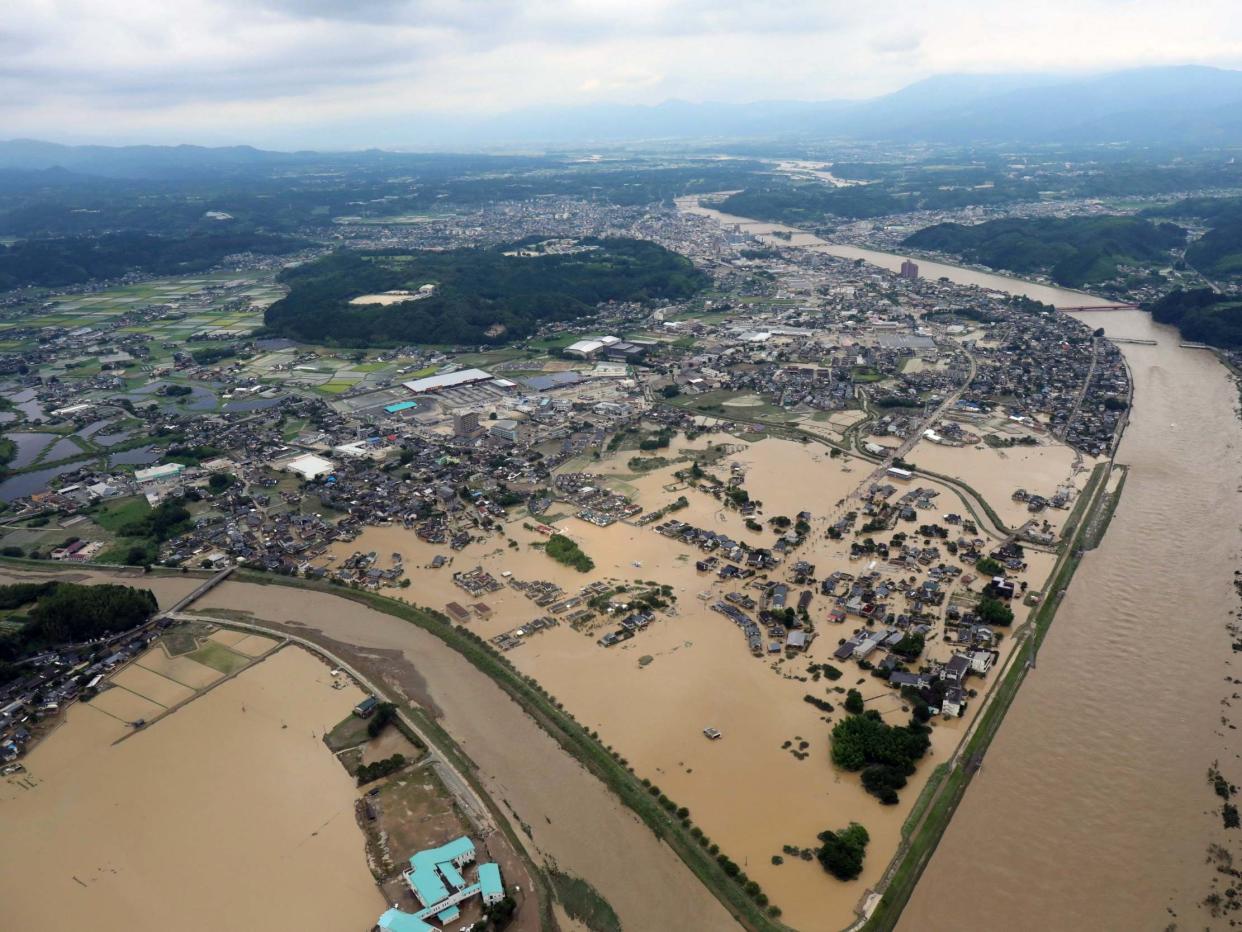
651	697
1092	810
567	810
997	473
229	813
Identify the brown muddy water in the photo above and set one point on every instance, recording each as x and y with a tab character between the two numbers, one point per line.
572	818
228	814
1092	810
651	697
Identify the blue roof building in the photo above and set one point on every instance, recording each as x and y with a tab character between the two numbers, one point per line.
433	871
394	920
489	883
435	877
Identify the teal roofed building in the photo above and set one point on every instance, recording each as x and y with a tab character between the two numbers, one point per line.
394	920
436	879
489	883
435	874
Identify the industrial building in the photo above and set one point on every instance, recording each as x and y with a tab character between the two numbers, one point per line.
309	466
435	383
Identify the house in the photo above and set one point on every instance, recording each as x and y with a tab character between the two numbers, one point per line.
367	706
901	678
954	701
956	669
981	661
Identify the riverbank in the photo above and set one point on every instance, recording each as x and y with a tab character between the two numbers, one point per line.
1100	767
963	275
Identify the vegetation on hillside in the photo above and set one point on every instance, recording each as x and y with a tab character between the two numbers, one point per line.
67	613
1074	251
54	263
1202	315
481	295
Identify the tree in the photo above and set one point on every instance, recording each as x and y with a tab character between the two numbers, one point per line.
670	391
989	567
219	482
854	702
909	647
842	852
994	611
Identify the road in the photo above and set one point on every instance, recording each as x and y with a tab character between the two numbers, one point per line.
1086	383
463	792
916	435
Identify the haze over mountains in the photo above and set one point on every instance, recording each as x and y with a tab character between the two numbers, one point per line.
1168	106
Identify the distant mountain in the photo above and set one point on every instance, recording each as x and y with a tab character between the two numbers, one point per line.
131	161
1189	105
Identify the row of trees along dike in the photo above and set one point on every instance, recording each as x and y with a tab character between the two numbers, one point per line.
669	821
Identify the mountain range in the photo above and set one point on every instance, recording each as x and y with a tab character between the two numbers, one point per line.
1185	105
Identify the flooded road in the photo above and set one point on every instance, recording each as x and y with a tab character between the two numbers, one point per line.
1092	810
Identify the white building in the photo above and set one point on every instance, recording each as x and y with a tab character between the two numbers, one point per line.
309	466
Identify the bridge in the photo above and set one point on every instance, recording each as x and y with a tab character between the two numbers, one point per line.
1101	307
198	593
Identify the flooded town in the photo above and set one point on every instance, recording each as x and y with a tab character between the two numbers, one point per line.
788	530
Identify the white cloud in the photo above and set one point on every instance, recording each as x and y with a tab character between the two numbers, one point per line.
261	70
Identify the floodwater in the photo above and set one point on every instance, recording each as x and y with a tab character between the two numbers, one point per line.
573	819
139	456
28	483
228	814
651	697
29	447
1092	810
1049	294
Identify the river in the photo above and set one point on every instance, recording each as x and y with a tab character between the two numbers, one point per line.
1092	810
1049	294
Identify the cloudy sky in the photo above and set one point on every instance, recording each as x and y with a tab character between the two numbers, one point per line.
359	72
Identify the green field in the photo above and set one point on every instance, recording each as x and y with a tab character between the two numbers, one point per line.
119	512
219	657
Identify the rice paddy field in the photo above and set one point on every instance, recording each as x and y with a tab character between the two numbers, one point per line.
174	309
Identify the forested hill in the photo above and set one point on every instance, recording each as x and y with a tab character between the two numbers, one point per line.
54	263
1202	315
1074	251
481	295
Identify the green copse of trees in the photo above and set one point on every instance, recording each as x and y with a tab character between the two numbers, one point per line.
481	295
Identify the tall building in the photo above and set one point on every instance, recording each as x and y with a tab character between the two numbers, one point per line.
465	423
909	270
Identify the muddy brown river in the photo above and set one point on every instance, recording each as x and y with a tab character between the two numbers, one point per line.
1092	810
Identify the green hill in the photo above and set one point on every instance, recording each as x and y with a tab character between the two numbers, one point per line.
1202	315
481	295
1074	251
